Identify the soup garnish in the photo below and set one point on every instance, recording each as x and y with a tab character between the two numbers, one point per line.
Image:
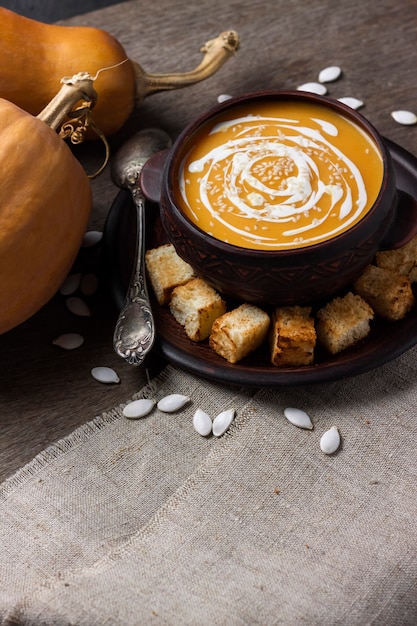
279	175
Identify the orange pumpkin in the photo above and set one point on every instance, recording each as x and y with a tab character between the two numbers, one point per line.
45	202
36	56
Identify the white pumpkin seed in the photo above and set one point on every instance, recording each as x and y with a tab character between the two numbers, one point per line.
69	341
329	74
330	440
89	284
138	408
223	97
70	284
298	418
222	422
317	88
353	103
91	238
202	423
404	117
77	306
105	375
172	402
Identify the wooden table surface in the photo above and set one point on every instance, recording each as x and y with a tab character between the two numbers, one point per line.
46	392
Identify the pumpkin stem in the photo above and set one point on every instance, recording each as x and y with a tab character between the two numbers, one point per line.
216	52
75	89
71	121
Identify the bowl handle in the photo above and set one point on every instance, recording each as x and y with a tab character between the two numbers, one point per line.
404	227
151	176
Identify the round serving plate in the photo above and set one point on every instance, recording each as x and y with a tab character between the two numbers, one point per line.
386	341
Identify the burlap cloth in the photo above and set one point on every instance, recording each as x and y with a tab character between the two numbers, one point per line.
145	522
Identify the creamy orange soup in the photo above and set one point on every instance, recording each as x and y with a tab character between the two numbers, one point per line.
279	175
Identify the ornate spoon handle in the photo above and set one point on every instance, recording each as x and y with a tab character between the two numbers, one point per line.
134	333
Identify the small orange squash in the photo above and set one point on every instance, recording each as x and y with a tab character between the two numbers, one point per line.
36	56
45	202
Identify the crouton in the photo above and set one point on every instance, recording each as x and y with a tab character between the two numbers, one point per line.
413	275
402	260
292	337
343	322
166	270
387	292
239	332
195	306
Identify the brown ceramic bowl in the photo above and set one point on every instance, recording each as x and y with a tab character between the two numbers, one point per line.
281	277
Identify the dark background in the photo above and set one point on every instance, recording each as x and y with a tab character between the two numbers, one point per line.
53	10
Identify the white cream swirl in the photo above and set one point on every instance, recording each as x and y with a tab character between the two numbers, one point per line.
275	171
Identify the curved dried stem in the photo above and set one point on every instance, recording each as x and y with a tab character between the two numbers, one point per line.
69	112
76	89
216	52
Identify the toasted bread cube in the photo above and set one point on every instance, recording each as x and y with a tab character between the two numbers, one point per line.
166	270
402	260
292	337
195	306
413	275
240	331
388	293
343	322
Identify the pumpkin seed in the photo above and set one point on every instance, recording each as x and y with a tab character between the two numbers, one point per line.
172	402
223	97
329	74
78	307
138	408
105	375
222	422
69	341
70	284
91	238
202	423
317	88
404	117
330	441
353	103
298	418
89	284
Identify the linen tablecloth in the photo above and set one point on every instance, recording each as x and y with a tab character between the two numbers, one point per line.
146	522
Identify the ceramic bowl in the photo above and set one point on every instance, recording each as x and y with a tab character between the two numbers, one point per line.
280	277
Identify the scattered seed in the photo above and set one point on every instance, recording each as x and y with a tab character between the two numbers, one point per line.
89	284
223	97
317	88
69	341
172	402
78	307
70	284
138	408
105	375
353	103
222	422
329	74
202	423
298	418
330	441
91	238
404	117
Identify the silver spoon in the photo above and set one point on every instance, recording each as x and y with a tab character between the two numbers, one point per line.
134	333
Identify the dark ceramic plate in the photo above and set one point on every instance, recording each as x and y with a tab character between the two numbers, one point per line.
386	341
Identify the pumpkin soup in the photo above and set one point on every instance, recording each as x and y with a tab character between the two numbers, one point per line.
286	175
